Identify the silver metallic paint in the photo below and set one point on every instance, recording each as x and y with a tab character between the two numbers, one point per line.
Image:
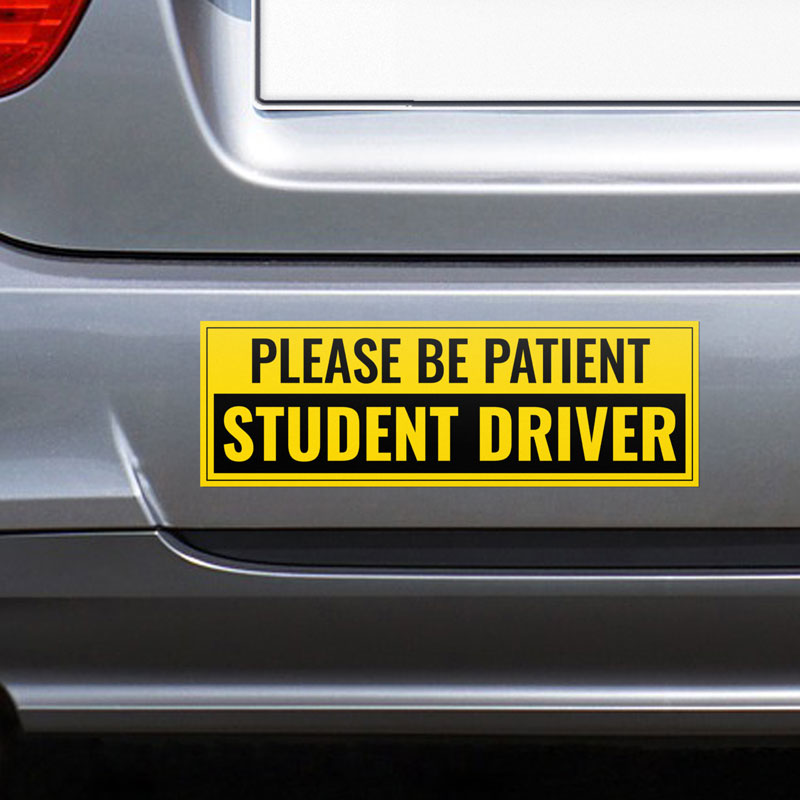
126	631
100	423
139	139
144	137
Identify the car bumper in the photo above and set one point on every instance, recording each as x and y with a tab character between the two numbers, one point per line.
110	622
107	632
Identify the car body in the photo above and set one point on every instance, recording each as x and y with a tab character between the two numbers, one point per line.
144	192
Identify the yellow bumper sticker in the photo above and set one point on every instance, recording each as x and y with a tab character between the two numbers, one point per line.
449	404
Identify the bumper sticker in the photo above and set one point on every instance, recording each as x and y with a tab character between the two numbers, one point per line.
449	404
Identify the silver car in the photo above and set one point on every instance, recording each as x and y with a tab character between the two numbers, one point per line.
400	366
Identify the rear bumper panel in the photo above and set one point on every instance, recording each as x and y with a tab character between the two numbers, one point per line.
132	632
101	388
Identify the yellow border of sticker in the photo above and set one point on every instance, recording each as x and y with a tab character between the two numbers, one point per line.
455	479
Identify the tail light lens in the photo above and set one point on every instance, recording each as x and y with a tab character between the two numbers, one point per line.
32	34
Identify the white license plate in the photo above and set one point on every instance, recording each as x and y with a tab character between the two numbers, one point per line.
321	53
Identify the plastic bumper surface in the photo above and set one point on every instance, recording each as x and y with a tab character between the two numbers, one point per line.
108	622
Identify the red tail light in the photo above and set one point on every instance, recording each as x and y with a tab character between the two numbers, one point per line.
32	34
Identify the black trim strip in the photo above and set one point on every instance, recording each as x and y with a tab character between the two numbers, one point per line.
376	257
472	548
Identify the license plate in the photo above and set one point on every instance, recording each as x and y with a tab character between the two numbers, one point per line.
381	52
449	404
